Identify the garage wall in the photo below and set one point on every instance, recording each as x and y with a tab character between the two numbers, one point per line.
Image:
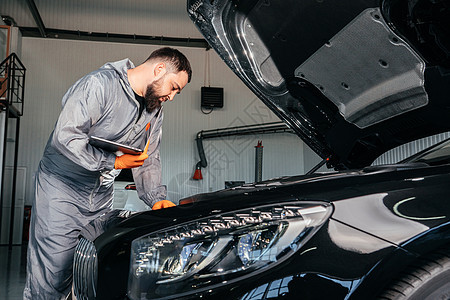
54	65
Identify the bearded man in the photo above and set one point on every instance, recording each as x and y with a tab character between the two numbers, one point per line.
74	180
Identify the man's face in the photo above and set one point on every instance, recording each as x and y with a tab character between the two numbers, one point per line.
164	89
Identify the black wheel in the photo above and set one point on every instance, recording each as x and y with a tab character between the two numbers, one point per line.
428	278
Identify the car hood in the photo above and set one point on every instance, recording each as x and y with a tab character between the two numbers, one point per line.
352	78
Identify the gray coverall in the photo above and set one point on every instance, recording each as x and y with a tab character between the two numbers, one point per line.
74	181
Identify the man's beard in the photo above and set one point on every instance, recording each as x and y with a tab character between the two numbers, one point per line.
151	98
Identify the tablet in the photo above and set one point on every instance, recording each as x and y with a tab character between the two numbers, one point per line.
113	146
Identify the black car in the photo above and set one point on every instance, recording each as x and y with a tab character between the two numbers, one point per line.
353	79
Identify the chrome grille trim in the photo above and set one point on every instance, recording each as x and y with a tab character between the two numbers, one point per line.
85	270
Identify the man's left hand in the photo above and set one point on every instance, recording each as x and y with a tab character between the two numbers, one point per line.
163	204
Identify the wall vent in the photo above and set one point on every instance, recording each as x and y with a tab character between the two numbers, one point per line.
212	97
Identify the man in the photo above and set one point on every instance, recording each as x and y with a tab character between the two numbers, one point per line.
74	181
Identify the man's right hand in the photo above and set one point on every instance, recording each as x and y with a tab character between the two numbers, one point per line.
128	161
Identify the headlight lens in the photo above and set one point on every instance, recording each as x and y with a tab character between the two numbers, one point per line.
223	248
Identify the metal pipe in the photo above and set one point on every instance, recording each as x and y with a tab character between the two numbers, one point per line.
114	37
16	151
37	17
2	193
201	152
317	167
258	161
14	183
5	139
274	127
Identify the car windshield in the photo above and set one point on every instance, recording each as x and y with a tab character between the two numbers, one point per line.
436	155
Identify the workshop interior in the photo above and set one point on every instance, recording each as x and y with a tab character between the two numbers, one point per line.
307	158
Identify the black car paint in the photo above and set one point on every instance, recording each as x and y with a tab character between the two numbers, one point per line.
329	265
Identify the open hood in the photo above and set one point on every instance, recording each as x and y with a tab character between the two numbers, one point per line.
352	78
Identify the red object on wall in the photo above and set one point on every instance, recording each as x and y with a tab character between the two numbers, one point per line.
198	174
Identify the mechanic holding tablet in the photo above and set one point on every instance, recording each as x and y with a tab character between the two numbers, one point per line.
74	181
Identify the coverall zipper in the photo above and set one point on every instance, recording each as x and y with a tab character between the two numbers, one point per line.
94	190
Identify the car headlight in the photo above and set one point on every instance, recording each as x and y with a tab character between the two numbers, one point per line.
223	248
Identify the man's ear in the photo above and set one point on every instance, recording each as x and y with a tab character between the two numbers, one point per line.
159	70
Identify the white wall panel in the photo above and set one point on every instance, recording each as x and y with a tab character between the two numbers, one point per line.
143	17
54	65
404	151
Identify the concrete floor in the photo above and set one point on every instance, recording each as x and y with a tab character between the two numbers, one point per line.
13	263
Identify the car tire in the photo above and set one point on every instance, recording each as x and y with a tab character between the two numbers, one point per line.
428	278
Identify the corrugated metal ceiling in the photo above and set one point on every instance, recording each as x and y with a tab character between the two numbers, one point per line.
157	18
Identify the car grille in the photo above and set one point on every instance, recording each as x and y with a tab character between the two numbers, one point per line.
85	270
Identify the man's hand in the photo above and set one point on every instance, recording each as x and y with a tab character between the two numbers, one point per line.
162	204
128	161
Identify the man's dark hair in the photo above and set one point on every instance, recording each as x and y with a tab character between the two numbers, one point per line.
174	58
